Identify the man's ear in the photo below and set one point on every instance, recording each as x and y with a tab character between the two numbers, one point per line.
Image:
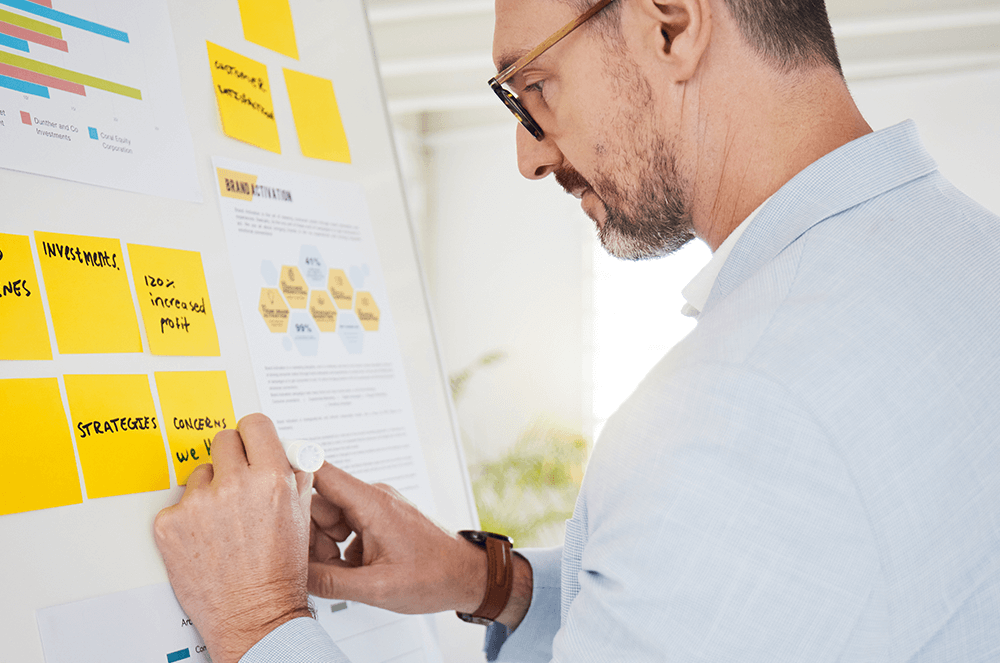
678	33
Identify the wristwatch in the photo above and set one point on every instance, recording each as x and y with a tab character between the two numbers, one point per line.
499	575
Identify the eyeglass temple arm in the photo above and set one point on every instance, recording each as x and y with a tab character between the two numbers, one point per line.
504	75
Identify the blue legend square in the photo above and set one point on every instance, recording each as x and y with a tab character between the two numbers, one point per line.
179	655
93	132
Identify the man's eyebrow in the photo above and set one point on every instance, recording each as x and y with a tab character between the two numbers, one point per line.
509	58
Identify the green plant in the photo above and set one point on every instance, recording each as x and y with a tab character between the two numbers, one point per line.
530	488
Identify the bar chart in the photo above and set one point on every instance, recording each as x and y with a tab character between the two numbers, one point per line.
89	91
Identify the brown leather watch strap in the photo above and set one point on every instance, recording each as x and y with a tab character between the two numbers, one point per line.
499	575
499	579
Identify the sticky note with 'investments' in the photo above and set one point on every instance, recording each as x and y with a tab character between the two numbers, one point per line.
243	93
37	464
196	405
173	298
88	293
24	333
117	434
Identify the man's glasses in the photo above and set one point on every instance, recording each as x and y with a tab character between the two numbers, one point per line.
510	99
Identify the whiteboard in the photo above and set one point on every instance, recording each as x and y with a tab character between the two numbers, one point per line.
71	553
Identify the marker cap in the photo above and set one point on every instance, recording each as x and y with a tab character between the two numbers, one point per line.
303	455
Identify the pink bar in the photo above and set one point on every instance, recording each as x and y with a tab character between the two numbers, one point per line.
35	37
44	3
26	118
42	79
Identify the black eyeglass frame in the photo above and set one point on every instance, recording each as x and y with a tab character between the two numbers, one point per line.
510	99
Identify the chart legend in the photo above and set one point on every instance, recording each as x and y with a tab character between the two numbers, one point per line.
98	90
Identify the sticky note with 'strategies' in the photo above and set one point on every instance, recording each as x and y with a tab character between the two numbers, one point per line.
117	434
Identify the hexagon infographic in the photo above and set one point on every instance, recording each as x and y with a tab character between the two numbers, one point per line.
367	311
293	286
307	301
323	311
273	309
340	288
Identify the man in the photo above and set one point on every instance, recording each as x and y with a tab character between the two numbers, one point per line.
811	475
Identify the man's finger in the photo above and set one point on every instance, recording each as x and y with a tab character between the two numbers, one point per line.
323	548
325	513
228	454
336	579
352	495
260	439
200	477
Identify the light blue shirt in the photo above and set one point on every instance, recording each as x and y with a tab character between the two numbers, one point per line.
813	474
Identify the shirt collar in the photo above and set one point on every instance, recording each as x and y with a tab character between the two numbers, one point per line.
697	291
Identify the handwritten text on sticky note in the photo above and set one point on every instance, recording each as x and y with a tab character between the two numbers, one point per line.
23	331
243	93
196	405
173	298
88	293
117	434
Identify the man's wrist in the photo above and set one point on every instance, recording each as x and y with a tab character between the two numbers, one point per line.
244	631
473	569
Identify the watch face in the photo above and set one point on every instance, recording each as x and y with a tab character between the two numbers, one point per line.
466	617
478	537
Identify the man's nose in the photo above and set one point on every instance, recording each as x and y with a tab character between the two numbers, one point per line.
536	158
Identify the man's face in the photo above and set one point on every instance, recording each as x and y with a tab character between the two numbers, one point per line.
602	140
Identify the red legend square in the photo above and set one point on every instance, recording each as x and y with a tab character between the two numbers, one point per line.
26	118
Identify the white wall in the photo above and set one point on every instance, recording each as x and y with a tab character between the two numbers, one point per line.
506	260
958	115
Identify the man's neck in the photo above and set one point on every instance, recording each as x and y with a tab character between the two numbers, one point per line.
785	122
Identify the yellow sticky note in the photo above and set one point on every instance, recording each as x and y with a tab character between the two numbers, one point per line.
37	464
117	434
88	293
269	23
173	298
196	405
317	118
23	331
244	96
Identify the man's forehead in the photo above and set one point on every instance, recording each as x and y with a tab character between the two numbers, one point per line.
523	24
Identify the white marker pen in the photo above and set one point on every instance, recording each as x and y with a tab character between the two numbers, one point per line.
303	455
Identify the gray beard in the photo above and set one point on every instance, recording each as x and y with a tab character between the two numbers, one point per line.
650	220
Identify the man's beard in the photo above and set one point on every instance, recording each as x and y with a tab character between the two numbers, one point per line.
650	219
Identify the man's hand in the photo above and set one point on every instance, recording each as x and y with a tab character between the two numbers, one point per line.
236	545
399	559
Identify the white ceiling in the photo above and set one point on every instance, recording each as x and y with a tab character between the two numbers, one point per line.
435	54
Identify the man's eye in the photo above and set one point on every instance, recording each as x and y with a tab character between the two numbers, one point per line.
535	87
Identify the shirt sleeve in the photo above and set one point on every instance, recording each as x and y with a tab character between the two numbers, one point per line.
531	642
300	640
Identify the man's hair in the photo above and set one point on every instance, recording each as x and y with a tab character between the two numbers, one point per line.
789	33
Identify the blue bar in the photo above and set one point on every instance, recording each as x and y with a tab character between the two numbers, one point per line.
93	132
18	85
66	19
178	656
13	42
